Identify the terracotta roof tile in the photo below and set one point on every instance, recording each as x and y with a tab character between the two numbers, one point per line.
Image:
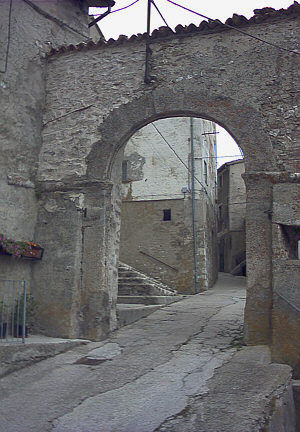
161	32
260	16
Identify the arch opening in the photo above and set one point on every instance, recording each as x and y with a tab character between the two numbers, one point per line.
101	187
170	232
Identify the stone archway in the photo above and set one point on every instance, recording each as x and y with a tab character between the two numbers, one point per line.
88	120
96	251
243	123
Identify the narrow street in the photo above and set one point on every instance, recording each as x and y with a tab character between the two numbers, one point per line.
183	368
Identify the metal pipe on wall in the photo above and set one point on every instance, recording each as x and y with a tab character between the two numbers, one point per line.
147	78
195	248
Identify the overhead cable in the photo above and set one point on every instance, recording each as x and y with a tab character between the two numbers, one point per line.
122	8
53	18
218	157
178	157
234	28
99	18
8	38
188	169
160	14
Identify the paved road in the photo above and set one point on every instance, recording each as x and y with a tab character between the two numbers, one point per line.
149	376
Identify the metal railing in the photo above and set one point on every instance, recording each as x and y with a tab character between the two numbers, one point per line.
158	260
292	305
12	311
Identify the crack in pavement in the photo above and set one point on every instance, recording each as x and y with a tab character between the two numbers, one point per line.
163	365
214	359
171	396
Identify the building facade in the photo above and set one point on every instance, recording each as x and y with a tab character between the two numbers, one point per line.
69	106
168	221
231	218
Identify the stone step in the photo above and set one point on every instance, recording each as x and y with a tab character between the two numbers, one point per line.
144	283
130	271
126	278
140	277
133	283
127	281
147	300
129	313
134	288
137	291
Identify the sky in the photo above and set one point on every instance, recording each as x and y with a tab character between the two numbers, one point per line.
133	20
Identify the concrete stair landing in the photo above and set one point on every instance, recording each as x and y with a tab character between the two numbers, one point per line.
139	295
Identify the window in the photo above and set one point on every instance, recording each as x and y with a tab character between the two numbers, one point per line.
205	172
125	170
291	238
220	180
167	215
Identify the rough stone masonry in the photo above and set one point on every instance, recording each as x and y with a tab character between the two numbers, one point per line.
94	98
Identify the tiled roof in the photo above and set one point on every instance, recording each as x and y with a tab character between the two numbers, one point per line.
266	14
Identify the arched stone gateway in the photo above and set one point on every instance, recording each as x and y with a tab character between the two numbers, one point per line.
96	99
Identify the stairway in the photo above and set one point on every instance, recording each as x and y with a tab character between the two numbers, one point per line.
139	295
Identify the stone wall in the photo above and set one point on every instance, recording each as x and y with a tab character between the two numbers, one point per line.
89	118
286	274
232	213
152	245
95	100
26	34
164	249
155	180
237	196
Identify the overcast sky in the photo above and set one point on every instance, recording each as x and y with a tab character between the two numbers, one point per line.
133	20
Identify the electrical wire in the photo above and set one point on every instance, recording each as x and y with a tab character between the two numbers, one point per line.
218	157
178	157
8	38
53	18
160	14
118	10
188	169
234	28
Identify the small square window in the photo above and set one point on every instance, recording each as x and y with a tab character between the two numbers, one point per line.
167	215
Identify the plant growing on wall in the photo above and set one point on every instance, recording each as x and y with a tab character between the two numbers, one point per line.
18	248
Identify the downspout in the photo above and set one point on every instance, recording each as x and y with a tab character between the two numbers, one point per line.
195	249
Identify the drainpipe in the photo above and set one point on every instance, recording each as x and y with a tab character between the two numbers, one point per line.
195	249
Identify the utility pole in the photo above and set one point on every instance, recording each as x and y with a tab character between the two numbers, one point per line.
147	78
195	248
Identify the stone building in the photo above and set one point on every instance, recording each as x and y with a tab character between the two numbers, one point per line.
158	222
69	106
231	218
28	31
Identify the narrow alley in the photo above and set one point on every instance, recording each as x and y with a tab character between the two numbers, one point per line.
183	368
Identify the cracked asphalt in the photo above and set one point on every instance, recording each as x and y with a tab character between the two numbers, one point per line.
148	376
